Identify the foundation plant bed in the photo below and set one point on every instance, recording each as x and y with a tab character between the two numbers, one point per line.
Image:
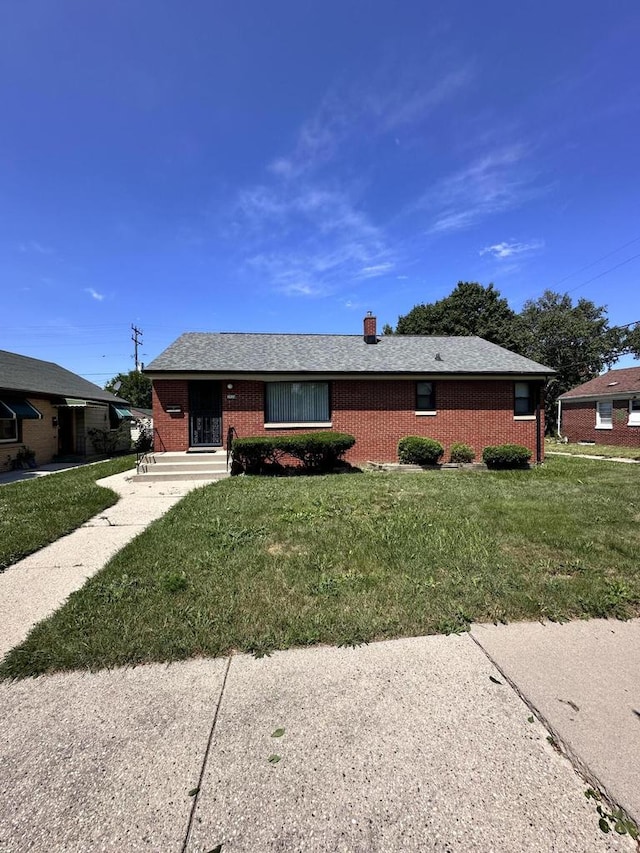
257	564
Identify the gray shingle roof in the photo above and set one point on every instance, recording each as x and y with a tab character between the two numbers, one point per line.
238	352
20	373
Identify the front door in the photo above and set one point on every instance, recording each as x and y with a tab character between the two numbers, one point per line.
66	432
205	414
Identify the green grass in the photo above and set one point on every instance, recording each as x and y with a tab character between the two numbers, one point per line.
35	512
260	564
593	449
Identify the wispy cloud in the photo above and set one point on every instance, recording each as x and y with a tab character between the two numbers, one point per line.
413	101
376	270
363	112
32	246
310	241
94	294
306	234
491	184
507	250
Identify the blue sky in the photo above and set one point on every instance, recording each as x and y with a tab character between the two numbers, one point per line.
287	166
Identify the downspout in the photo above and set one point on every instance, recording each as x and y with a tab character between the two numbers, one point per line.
560	419
538	441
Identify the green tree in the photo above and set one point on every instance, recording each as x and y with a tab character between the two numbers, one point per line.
470	309
134	387
632	340
575	340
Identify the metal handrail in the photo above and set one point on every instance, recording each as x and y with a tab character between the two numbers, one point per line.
143	456
231	434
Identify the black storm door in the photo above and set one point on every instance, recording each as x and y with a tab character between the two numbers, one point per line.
205	414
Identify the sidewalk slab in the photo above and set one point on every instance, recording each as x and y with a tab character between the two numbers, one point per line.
404	745
104	761
584	679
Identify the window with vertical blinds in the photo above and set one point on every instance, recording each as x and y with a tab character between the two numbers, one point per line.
296	402
604	414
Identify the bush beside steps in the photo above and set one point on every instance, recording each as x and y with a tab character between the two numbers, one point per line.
315	452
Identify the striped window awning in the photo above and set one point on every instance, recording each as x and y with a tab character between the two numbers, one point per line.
121	412
18	409
77	403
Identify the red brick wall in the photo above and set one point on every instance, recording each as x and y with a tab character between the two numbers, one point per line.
171	432
377	412
579	424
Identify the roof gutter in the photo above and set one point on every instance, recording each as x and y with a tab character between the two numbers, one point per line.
301	375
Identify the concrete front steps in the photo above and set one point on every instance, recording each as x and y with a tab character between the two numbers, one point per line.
192	465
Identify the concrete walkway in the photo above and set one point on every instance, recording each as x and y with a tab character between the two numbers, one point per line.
592	456
34	587
406	745
583	679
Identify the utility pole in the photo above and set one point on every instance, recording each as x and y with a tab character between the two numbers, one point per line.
137	341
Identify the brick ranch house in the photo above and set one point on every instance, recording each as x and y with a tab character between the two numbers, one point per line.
50	410
379	389
605	410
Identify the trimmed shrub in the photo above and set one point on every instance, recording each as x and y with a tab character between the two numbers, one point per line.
462	453
316	451
252	455
417	450
506	456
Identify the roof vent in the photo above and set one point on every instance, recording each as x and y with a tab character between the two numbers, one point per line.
609	384
438	357
370	333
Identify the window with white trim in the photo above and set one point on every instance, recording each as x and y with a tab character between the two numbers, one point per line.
297	403
425	397
524	399
604	414
634	413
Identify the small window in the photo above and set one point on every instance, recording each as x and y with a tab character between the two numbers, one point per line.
8	424
525	399
634	412
425	397
604	415
297	402
8	429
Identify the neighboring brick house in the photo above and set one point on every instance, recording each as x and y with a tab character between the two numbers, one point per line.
50	410
605	410
454	389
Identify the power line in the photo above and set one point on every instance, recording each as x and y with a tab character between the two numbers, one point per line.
597	261
611	269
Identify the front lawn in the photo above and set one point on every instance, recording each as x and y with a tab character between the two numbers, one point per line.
260	564
35	512
607	450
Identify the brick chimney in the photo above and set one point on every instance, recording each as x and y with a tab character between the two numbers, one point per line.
370	334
